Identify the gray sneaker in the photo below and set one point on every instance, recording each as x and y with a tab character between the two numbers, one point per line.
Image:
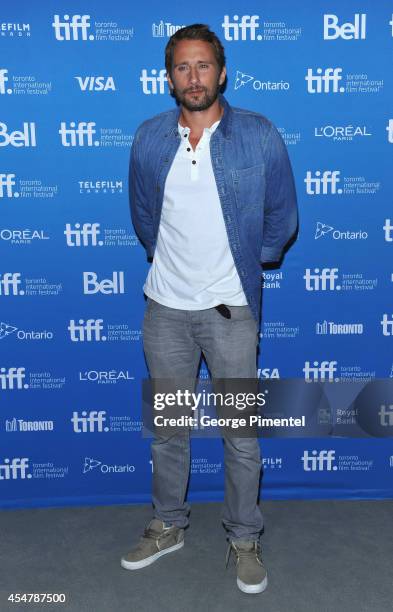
251	574
157	540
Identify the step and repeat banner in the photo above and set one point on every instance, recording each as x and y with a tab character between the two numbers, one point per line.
76	80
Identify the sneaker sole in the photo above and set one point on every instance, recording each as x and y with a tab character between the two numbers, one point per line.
134	565
252	588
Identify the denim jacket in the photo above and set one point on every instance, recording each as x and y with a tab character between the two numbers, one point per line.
254	181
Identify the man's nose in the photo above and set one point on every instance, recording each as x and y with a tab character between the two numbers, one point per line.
194	76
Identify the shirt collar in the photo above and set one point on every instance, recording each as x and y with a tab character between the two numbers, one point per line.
184	131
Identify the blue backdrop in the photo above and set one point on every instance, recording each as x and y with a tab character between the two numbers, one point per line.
75	82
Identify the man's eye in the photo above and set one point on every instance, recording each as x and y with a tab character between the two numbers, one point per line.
182	68
204	66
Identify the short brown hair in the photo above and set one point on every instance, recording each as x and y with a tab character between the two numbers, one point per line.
197	31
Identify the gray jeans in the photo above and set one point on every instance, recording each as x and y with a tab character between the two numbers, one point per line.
173	342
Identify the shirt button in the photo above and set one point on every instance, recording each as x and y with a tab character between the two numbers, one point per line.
188	149
185	135
193	161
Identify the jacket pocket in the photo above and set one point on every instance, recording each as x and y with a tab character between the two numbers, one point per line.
249	186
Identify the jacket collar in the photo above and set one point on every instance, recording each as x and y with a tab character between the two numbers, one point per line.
225	125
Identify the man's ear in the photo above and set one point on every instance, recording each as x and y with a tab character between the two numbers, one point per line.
170	83
222	75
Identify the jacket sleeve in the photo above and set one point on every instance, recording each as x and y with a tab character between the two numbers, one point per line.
141	212
280	215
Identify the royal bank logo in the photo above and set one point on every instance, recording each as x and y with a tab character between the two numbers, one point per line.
388	229
241	28
389	129
72	27
155	82
323	183
324	81
322	230
319	461
347	31
18	138
78	135
243	79
321	280
162	29
14	469
6	330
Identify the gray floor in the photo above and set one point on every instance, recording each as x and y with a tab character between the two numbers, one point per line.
321	556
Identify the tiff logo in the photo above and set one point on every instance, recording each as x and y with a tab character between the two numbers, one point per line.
331	76
347	31
391	23
7	182
86	331
83	237
3	81
10	283
18	138
12	378
318	372
319	461
153	84
89	422
323	183
388	227
15	468
247	27
324	280
387	325
71	27
389	129
75	136
106	286
386	415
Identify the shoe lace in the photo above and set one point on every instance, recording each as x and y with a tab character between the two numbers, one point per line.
244	554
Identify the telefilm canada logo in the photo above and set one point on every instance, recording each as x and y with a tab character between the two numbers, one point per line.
15	30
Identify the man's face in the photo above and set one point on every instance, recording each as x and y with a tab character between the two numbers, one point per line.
195	78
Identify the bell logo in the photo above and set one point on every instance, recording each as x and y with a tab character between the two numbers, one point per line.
3	81
319	461
75	136
89	331
387	325
87	236
12	379
89	422
153	84
25	138
71	27
347	31
7	182
106	286
324	280
331	76
323	183
92	83
318	372
15	468
247	27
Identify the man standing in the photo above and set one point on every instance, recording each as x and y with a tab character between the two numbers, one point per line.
212	197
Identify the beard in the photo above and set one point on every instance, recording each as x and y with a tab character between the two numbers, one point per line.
202	100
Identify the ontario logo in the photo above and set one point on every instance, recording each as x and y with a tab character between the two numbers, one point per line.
323	230
105	468
242	78
6	330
